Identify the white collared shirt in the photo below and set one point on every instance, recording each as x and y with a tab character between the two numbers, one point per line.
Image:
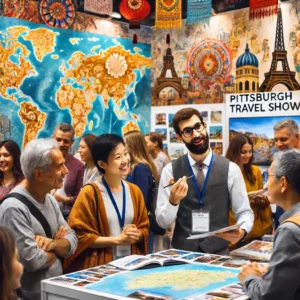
166	212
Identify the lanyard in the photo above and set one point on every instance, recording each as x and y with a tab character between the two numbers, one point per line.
121	219
201	194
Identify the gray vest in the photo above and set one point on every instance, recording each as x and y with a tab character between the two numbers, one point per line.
216	201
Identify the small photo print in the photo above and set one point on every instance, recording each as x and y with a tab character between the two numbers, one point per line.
82	283
171	116
217	147
160	119
174	252
216	132
192	256
220	261
206	258
204	115
92	274
235	263
220	293
64	280
76	276
162	132
111	272
149	295
216	116
176	151
165	147
173	138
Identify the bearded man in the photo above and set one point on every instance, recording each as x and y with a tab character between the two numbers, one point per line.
201	203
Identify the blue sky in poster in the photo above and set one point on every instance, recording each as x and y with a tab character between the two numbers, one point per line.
259	125
40	89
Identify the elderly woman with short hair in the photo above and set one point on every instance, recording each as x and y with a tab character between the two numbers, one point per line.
281	279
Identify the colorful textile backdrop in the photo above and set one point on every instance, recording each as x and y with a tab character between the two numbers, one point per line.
103	7
168	14
263	8
198	10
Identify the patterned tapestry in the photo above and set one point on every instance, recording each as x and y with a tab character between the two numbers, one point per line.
198	11
168	14
104	7
96	83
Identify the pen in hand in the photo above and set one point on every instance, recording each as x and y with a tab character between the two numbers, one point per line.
175	182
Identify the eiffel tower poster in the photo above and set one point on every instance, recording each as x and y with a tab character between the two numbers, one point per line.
285	76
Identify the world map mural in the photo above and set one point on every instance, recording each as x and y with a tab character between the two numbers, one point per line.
96	83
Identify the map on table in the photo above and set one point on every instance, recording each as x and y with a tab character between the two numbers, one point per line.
176	282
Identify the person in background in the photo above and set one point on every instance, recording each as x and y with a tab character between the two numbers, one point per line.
109	216
66	196
10	169
11	269
201	203
240	151
91	173
286	136
44	169
142	170
280	280
156	149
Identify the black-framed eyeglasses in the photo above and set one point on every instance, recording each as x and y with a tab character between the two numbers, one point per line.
188	131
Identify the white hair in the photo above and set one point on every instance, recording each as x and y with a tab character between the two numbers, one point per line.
37	155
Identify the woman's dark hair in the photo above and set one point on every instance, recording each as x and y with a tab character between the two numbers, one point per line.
182	115
7	252
103	146
14	150
89	139
234	151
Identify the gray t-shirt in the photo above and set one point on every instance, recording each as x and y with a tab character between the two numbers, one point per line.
113	221
16	216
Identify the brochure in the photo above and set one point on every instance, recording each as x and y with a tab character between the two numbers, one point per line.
256	250
204	235
133	262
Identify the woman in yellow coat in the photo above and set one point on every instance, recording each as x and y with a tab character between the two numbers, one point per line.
109	216
240	151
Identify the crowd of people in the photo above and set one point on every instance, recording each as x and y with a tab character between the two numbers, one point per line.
64	213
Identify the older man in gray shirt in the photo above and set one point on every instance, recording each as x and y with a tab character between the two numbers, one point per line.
44	168
281	279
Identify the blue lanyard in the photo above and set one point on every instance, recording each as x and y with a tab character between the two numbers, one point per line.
121	219
201	194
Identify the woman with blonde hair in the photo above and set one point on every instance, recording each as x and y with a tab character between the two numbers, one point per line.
142	170
11	269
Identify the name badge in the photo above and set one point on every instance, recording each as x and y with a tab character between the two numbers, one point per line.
200	221
123	251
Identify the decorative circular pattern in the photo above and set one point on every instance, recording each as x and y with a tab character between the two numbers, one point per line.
209	61
116	65
57	13
134	4
168	5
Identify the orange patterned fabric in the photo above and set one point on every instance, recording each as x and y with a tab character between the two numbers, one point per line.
263	8
168	14
83	220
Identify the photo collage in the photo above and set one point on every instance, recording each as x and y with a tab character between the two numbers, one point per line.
212	115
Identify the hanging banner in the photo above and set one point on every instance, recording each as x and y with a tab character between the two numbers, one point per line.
263	8
198	11
168	14
103	7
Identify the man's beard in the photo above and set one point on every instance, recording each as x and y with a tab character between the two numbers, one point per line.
198	149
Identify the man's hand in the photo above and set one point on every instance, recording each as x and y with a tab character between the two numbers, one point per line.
178	190
251	269
232	236
45	243
61	232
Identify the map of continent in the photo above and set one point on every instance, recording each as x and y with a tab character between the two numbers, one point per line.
180	280
96	83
